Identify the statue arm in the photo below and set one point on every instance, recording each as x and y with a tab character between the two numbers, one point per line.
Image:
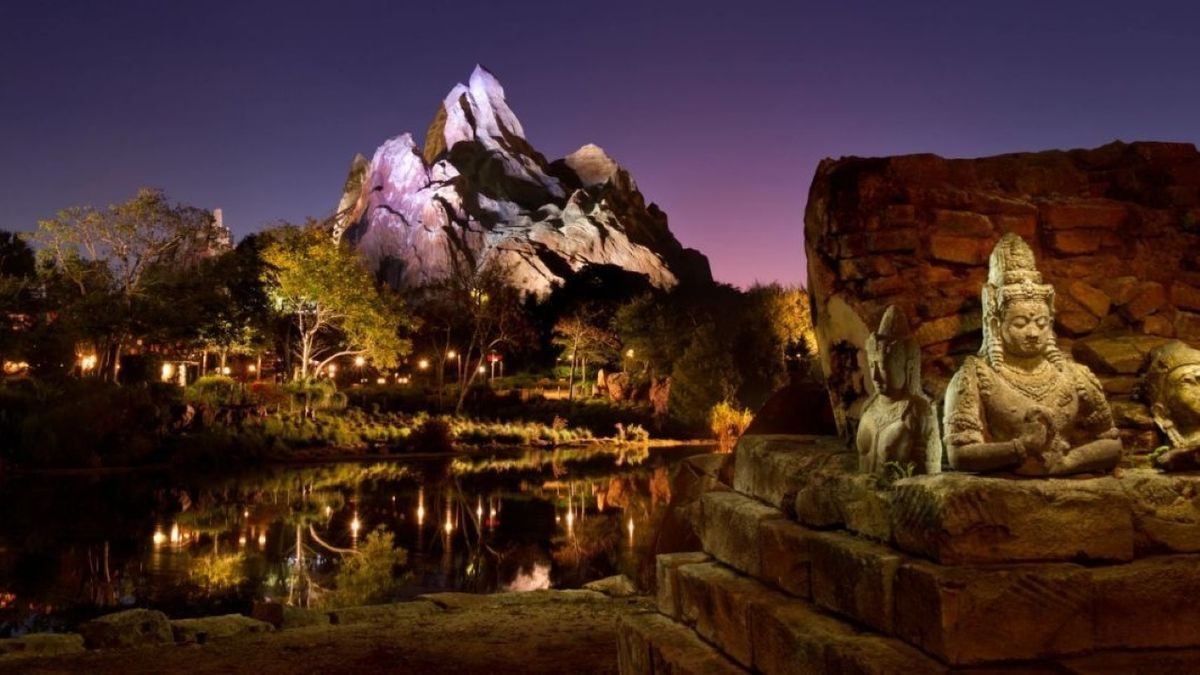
933	440
966	445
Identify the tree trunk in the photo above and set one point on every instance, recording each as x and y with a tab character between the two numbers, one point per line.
571	378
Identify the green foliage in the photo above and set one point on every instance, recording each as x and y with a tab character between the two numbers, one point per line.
213	391
717	343
372	575
433	435
894	471
336	306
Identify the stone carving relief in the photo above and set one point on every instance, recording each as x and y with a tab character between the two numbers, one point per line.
1172	389
898	424
1021	404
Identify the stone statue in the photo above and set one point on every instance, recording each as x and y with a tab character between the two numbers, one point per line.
898	422
1022	405
1172	388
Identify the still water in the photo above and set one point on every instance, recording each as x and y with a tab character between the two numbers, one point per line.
72	547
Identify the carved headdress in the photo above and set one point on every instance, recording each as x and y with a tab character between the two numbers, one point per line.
1012	275
894	329
1163	361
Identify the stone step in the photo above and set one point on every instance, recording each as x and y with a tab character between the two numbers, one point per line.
770	632
653	644
963	614
773	468
961	519
956	519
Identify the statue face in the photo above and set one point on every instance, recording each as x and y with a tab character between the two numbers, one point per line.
1026	328
1182	394
893	365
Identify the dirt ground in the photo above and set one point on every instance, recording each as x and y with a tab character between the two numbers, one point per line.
537	633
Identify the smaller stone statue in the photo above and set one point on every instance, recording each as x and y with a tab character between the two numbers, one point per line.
898	423
1022	405
1172	389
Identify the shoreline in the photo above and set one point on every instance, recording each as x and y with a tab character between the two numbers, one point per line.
342	456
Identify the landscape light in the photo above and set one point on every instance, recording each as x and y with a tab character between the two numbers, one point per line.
226	370
482	369
251	368
423	364
359	361
382	380
167	371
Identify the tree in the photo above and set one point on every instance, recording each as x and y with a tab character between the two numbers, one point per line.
335	304
583	335
17	277
775	335
107	263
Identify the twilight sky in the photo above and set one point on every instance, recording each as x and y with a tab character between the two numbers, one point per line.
721	110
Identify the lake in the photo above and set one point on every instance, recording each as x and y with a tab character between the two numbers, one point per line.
76	546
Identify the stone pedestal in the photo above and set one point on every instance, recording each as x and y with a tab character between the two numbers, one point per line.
1053	575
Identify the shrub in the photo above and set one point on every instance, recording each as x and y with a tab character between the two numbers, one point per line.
433	435
728	424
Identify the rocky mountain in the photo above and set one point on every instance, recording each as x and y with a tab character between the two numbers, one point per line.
479	193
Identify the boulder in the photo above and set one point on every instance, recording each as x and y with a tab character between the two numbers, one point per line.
652	643
215	628
41	644
130	628
728	529
285	616
388	613
618	586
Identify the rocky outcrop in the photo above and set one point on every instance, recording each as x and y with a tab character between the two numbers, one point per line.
478	193
1115	230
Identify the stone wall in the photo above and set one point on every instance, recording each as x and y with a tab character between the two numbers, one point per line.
1115	229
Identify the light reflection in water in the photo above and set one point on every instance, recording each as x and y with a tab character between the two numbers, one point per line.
593	502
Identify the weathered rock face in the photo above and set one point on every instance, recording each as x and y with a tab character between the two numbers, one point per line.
1115	230
479	193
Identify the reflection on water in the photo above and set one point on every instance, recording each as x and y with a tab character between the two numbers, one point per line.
73	547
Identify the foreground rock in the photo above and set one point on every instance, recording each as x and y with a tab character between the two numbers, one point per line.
42	644
215	628
131	628
505	634
478	191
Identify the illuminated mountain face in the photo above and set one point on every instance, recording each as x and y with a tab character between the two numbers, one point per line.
478	192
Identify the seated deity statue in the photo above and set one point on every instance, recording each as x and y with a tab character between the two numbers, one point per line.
898	423
1172	388
1021	405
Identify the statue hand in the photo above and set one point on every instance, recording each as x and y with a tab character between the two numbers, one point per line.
1035	433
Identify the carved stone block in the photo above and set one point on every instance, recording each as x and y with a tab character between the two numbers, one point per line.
957	519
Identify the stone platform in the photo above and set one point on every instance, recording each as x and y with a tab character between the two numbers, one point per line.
810	568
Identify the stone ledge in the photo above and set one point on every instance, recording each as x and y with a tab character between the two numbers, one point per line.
667	579
773	468
956	519
967	616
718	603
770	632
728	529
842	497
1166	510
1148	603
854	578
652	644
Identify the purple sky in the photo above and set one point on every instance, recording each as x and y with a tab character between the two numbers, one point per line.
721	110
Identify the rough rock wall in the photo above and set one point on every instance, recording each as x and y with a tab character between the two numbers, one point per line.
1115	229
479	193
